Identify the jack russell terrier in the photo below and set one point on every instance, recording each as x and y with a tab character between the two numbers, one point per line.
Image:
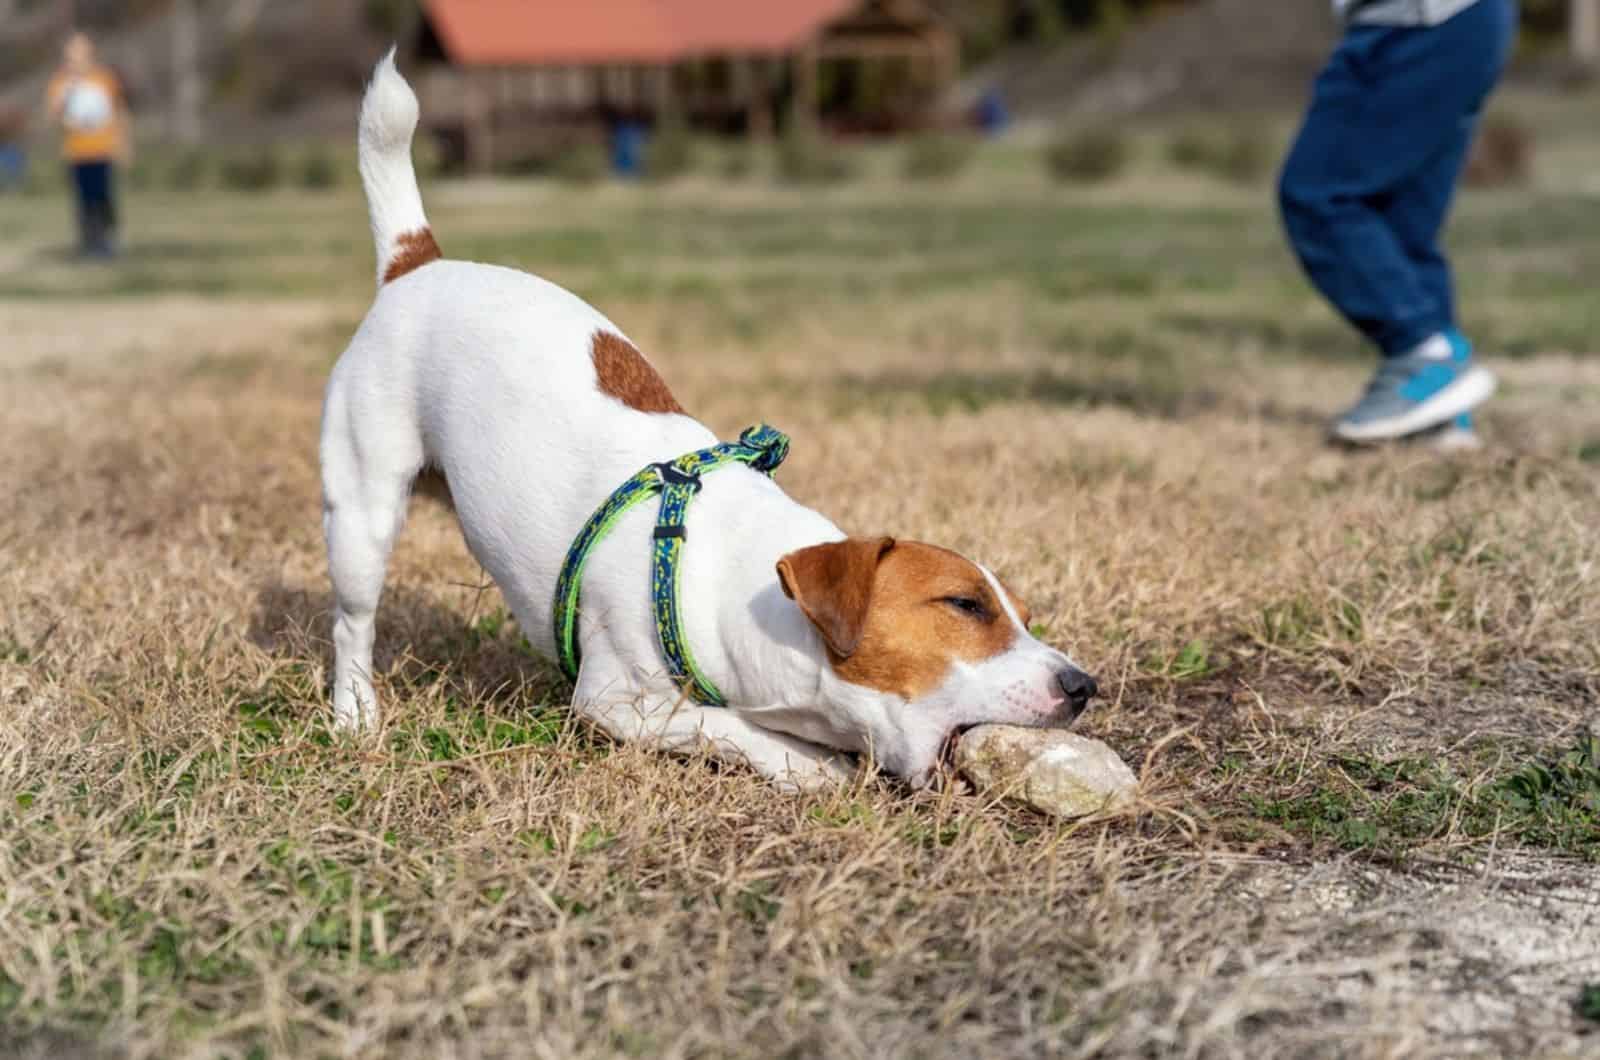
534	407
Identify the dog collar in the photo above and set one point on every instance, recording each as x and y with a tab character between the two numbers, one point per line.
761	447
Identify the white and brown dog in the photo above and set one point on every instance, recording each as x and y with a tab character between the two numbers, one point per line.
534	407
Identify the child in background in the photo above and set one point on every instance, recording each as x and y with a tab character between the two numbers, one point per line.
87	101
1368	185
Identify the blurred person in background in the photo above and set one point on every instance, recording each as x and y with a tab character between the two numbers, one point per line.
1366	190
87	101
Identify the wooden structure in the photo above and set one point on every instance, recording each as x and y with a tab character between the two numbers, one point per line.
500	76
1584	23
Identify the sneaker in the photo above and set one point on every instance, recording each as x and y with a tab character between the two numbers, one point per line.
1416	391
1457	436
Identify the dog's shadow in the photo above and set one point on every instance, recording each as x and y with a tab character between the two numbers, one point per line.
475	649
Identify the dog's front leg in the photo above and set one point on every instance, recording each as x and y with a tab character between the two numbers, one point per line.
668	722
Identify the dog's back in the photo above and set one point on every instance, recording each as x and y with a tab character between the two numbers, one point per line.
488	375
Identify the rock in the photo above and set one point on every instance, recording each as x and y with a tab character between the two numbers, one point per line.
1058	772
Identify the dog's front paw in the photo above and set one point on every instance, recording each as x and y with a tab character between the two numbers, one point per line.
822	773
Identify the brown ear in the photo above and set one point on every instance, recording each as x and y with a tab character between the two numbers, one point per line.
832	583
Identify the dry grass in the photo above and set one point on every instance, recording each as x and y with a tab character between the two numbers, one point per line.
1324	663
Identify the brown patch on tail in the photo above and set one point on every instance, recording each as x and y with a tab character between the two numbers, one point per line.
624	374
412	251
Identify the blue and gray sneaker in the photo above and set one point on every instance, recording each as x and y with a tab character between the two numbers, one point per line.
1418	391
1457	436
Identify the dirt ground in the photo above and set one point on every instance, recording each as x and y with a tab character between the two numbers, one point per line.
1347	679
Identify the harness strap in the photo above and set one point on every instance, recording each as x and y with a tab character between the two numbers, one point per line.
760	447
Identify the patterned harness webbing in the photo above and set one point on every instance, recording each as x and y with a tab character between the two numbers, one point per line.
761	447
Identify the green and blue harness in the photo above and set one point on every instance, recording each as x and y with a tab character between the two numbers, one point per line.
677	481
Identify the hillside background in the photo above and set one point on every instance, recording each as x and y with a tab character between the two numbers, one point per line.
291	67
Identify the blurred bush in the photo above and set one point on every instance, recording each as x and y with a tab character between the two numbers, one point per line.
670	152
805	157
1191	148
1502	154
254	170
1241	154
142	175
579	163
1087	156
391	19
189	169
737	161
319	170
44	175
938	155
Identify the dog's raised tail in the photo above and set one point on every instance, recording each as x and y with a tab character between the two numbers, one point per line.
389	115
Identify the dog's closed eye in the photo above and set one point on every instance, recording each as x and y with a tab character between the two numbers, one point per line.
968	605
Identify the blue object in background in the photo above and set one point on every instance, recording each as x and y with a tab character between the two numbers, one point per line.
13	166
992	114
627	148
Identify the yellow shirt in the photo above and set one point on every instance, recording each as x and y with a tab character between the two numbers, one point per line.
89	106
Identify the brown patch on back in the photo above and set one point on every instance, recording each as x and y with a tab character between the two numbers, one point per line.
908	633
412	251
624	374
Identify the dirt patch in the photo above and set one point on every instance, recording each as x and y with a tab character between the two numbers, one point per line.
1489	962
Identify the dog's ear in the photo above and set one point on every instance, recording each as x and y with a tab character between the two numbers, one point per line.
832	583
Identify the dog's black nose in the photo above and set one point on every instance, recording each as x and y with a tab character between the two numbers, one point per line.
1078	687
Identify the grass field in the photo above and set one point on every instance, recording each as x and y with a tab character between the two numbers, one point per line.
1361	689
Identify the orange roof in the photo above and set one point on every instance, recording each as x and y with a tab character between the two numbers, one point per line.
522	32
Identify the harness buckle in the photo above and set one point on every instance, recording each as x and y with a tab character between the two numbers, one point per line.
673	475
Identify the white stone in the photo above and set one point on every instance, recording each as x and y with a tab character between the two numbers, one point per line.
1058	772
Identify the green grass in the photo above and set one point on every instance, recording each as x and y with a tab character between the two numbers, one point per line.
1390	808
1588	1002
744	260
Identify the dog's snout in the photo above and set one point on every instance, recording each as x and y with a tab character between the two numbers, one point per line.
1078	687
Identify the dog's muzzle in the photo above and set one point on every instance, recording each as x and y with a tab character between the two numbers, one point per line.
1078	688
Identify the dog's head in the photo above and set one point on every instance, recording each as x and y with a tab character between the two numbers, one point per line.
923	643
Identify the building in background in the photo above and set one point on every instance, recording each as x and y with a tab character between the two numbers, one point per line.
497	75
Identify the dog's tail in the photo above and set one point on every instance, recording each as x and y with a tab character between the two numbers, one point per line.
399	227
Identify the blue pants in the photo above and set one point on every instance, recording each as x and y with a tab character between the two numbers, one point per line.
97	204
1368	184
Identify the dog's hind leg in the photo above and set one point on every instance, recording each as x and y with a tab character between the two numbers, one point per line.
367	471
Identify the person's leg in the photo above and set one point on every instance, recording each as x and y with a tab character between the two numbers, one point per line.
1389	105
93	186
82	188
1416	210
1384	142
108	211
1416	213
97	181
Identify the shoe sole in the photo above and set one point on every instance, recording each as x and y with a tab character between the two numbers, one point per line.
1463	395
1455	440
